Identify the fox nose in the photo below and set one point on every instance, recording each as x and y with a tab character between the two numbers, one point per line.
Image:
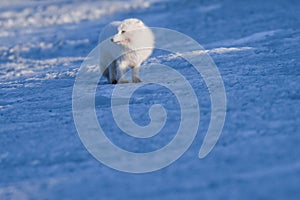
112	39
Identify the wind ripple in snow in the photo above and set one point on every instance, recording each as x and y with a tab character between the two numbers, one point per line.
220	50
241	41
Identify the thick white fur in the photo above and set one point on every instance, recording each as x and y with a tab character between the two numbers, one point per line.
131	36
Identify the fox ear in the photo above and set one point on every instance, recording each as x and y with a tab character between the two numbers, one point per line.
138	21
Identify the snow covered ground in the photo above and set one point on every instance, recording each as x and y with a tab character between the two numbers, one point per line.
255	45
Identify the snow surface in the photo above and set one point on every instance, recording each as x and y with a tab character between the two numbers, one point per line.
254	43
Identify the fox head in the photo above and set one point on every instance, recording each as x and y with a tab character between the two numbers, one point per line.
133	33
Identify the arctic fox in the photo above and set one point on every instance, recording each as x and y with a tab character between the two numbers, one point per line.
130	43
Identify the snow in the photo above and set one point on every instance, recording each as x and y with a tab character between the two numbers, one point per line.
47	13
255	45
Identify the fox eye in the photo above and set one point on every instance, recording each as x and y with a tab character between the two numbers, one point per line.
123	31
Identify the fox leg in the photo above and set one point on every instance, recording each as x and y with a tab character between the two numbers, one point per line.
122	69
135	74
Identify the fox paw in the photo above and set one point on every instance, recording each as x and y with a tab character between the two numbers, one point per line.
136	80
